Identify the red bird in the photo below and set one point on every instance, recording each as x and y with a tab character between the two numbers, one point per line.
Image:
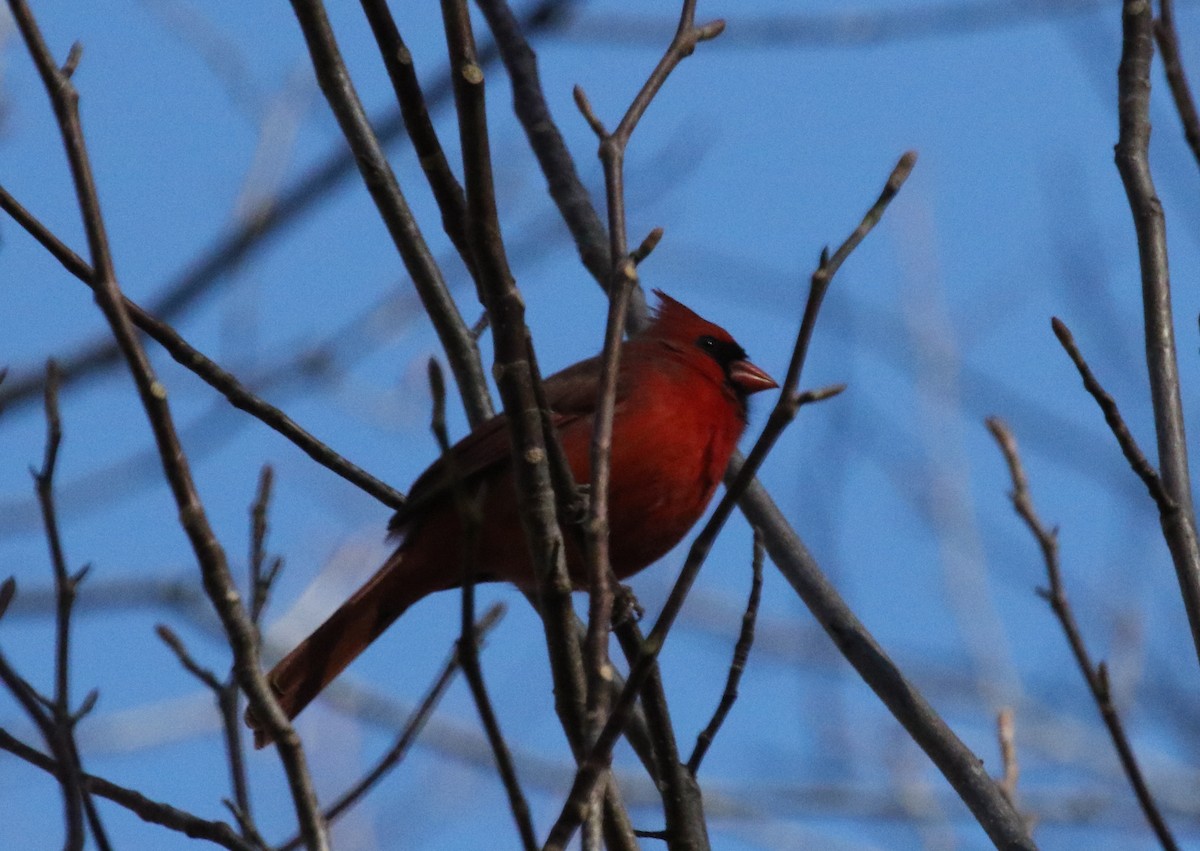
680	409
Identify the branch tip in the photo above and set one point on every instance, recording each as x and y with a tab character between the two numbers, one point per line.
648	245
73	56
86	706
820	394
710	30
585	109
908	161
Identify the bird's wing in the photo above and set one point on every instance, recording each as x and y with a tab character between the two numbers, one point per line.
571	395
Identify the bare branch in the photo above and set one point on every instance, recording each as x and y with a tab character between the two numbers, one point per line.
469	508
566	660
206	369
225	695
65	585
385	191
958	764
682	801
262	576
646	247
596	531
215	573
741	653
1006	735
468	648
539	464
176	645
1095	676
398	61
1168	44
1132	157
57	739
515	375
8	590
621	280
55	718
569	194
148	810
1116	423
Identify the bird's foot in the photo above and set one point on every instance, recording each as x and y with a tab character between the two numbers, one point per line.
580	505
626	606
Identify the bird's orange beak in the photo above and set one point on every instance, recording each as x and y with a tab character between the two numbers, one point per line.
749	377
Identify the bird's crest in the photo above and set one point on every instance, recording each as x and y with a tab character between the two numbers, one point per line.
673	321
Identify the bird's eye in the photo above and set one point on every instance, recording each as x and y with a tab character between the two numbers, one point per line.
707	342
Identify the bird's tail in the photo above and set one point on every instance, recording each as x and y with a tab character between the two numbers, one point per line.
314	663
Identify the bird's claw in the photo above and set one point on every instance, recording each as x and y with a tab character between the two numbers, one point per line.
582	504
626	606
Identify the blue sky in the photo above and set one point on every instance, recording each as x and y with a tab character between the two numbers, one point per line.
757	153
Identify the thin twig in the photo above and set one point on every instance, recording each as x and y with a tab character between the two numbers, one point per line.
1116	423
515	377
185	658
148	810
218	582
384	189
1133	163
1168	44
682	801
416	722
621	280
960	766
537	472
566	660
1095	675
57	739
401	69
470	515
596	533
8	590
1006	735
59	719
566	189
225	695
205	368
468	651
262	576
741	653
646	246
830	263
65	586
552	598
230	708
262	580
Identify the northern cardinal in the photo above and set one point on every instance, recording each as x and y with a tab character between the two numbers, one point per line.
680	409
